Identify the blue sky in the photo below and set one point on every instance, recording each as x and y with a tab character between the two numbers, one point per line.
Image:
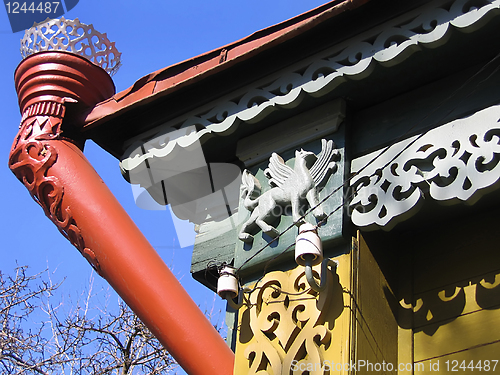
151	34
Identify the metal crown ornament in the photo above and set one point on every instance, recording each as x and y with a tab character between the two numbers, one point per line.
74	37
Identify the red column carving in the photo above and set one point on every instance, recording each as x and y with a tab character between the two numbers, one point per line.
62	181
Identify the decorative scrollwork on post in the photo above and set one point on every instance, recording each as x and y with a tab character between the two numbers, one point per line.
289	323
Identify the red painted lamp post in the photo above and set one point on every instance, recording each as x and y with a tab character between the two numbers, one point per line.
59	177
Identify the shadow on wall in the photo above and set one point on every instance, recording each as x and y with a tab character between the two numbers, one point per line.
442	306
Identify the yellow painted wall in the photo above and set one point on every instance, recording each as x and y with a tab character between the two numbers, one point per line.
444	313
287	328
455	295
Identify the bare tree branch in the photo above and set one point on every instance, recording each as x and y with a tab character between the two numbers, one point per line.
83	340
73	337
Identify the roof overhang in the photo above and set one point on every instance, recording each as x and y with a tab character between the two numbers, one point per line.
173	91
431	41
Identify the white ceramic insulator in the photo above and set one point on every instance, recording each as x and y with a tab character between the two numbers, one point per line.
308	242
227	285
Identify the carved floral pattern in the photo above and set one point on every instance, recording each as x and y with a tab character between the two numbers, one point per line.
288	322
458	161
31	158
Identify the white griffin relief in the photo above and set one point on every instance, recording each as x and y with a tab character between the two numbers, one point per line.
290	188
456	162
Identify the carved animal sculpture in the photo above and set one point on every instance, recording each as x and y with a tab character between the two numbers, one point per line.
290	188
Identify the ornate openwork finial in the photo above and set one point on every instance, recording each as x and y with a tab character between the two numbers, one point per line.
75	37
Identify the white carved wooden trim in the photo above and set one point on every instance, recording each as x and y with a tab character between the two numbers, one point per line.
456	162
389	44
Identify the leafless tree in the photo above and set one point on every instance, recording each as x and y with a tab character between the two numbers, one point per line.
21	350
104	342
82	340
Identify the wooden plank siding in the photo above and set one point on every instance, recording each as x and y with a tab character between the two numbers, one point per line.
456	296
376	332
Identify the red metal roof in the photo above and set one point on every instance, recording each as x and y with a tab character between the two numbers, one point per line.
169	79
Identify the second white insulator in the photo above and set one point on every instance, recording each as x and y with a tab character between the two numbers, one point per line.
227	285
308	243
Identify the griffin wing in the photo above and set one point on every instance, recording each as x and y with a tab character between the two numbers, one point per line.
325	161
250	186
277	171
